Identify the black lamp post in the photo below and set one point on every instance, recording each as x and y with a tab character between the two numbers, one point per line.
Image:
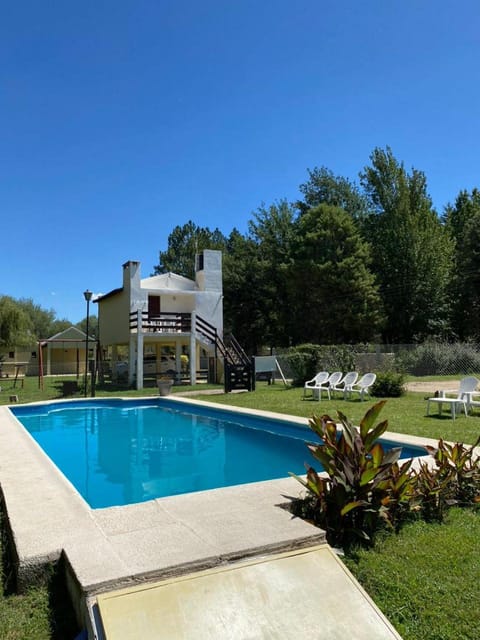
88	296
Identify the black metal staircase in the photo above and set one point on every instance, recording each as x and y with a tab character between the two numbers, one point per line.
238	367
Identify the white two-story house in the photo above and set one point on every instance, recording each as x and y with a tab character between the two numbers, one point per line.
167	324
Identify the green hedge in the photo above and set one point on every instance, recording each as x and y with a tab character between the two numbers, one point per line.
306	360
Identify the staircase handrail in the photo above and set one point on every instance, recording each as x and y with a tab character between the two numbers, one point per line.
235	346
206	329
229	348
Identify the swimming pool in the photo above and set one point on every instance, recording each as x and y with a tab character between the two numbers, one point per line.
118	452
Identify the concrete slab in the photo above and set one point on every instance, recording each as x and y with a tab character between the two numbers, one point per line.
306	593
205	528
132	517
161	549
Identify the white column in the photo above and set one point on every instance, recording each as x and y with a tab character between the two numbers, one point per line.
193	351
114	362
131	358
178	359
139	350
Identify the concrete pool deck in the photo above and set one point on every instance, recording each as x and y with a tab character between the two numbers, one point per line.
117	547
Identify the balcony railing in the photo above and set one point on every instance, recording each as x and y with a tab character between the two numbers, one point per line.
163	323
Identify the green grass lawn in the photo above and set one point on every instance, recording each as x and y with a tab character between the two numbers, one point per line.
53	390
405	414
26	616
41	613
425	579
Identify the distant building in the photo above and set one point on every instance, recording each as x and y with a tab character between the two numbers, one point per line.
61	354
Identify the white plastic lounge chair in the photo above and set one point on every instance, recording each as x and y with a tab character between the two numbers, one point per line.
473	403
327	386
463	398
362	386
312	384
348	379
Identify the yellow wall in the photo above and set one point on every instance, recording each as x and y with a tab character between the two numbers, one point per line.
64	361
114	318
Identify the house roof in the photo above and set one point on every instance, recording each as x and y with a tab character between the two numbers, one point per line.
71	334
113	292
169	282
164	282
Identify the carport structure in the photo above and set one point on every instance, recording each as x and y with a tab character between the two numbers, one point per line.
65	354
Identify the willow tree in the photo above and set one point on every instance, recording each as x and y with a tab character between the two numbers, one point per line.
15	325
44	322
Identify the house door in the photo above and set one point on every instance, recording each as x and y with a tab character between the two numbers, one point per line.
153	306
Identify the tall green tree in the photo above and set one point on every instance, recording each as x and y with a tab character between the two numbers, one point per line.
183	243
44	322
336	298
412	251
243	304
456	216
462	222
469	271
273	230
323	187
92	325
15	324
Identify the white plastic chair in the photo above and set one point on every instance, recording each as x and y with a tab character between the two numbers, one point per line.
463	398
362	386
348	379
473	403
331	381
312	384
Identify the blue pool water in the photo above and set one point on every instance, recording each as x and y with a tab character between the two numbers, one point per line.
119	452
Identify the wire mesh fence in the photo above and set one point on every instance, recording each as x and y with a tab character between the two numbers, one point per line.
427	359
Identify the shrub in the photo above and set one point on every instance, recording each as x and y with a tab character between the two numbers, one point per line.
457	478
441	358
388	385
306	360
364	489
431	491
302	365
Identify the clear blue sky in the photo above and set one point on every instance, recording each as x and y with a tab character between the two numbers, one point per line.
121	119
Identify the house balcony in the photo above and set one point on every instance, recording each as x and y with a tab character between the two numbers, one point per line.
164	323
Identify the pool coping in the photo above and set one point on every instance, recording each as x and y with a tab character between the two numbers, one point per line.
110	548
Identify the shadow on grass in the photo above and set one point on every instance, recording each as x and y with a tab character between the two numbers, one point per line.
63	621
55	606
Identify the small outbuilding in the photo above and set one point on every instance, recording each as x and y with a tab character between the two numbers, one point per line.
64	353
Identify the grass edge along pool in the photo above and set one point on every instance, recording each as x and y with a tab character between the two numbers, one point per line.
120	451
